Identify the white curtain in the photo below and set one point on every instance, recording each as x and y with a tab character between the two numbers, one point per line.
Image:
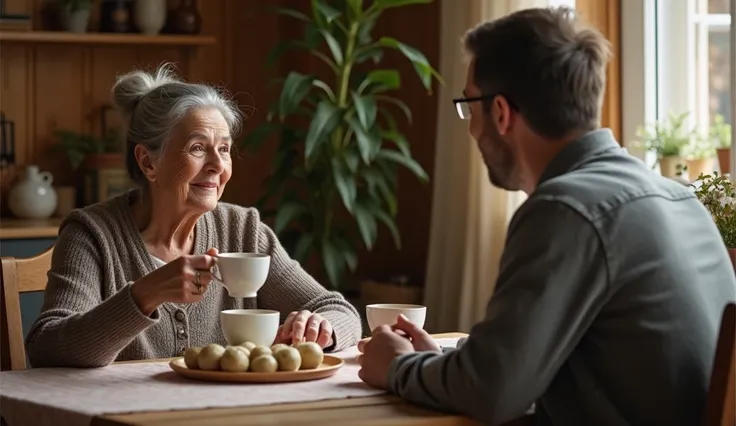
469	215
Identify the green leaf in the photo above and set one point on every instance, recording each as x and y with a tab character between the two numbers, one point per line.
286	213
399	139
385	4
326	88
296	87
371	52
290	12
334	262
376	181
352	159
326	118
367	225
365	106
255	139
327	12
404	160
347	251
312	35
399	103
345	183
334	46
390	224
367	140
382	80
355	8
301	251
421	64
365	29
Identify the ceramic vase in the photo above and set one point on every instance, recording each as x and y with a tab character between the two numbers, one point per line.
76	21
150	16
33	197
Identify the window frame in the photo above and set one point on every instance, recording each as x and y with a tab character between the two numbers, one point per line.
651	88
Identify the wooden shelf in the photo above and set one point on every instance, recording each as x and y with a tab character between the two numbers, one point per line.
12	228
63	37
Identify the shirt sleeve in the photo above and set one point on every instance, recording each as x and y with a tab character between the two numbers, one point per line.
553	280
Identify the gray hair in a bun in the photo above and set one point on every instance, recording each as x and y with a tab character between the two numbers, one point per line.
153	103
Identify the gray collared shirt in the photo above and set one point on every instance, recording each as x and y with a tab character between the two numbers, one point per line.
606	311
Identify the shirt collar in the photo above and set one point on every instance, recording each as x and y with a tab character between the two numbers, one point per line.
580	151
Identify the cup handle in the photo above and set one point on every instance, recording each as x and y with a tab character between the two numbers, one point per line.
216	275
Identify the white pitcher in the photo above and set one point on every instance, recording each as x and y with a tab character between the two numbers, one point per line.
33	197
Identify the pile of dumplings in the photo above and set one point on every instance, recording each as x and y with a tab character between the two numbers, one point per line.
258	359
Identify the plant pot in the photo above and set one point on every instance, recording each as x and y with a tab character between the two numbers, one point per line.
724	160
668	165
389	292
76	21
700	166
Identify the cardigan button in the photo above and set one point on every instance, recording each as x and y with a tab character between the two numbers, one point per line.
179	315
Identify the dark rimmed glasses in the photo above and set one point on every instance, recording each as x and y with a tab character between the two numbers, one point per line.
463	109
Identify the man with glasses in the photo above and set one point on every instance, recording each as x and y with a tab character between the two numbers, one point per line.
613	279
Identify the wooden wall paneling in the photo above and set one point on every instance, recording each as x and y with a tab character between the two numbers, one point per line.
16	102
605	15
107	64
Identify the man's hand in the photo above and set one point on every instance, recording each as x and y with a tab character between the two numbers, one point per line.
378	353
420	339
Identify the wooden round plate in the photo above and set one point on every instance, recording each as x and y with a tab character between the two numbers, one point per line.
330	365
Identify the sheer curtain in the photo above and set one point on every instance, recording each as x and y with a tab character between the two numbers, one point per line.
469	215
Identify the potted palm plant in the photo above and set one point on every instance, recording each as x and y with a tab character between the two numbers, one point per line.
334	177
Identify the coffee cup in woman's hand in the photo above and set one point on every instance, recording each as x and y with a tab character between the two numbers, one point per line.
183	280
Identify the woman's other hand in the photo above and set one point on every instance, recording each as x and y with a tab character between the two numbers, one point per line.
183	280
305	326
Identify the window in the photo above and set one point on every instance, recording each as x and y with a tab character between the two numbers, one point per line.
676	62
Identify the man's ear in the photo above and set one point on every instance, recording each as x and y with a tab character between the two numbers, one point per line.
145	162
502	114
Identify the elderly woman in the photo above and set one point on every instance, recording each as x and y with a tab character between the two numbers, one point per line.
130	277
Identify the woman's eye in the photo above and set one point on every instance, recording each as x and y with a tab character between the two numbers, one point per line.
225	148
198	148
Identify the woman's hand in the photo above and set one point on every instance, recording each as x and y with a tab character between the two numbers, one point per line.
183	280
305	326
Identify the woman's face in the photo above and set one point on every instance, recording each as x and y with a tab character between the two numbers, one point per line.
195	165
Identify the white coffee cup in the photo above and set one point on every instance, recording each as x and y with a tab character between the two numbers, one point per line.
388	314
250	325
242	274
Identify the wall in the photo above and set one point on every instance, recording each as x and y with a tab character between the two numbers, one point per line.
57	86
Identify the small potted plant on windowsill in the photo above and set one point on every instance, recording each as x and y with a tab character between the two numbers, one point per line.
718	195
720	136
700	154
667	139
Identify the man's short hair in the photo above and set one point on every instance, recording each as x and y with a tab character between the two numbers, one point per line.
547	64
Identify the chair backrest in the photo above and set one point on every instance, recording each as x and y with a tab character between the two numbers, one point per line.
18	276
721	405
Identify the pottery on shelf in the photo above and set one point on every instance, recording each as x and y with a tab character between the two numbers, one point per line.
33	197
187	19
150	16
76	20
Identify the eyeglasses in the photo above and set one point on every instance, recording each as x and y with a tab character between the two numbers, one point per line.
463	109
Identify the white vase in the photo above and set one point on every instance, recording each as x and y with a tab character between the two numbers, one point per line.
33	197
76	21
150	16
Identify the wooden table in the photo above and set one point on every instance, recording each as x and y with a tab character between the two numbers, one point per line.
373	411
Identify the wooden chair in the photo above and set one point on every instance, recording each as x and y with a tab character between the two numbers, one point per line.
18	276
720	407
